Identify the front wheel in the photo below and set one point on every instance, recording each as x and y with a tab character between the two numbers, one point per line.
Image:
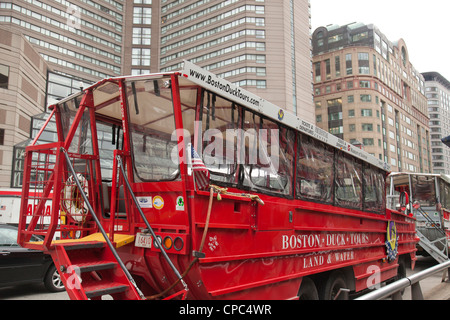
53	281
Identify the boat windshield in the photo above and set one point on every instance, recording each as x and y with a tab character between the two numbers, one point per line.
423	190
152	123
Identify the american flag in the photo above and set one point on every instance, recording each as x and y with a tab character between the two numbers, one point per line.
201	173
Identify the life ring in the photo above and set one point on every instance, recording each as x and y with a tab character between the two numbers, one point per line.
72	200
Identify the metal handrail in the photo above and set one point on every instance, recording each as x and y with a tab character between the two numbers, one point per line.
97	221
160	245
394	288
434	251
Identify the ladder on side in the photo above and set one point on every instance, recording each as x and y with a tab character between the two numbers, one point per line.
440	255
90	271
95	267
430	247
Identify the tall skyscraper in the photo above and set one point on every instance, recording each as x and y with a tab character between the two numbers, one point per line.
367	92
78	38
438	95
263	46
57	47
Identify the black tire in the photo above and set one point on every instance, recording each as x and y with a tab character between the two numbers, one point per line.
308	290
52	280
401	272
333	284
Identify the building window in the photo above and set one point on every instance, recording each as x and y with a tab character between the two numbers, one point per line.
366	112
337	65
335	38
260	84
137	72
140	57
391	121
363	63
374	65
4	76
367	127
142	36
404	56
335	116
360	36
317	71
328	69
320	38
60	86
364	84
368	141
366	98
336	130
2	137
384	49
348	63
349	84
142	15
335	102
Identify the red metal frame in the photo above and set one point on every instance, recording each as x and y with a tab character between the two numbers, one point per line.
251	252
43	127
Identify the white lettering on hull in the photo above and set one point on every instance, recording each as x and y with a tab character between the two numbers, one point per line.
310	241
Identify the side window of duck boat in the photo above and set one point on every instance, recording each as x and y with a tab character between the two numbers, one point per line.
220	120
269	147
243	149
330	176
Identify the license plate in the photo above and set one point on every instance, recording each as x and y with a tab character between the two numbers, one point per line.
143	240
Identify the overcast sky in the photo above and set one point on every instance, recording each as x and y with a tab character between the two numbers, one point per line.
424	25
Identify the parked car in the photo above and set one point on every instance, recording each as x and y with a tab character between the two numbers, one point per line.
19	265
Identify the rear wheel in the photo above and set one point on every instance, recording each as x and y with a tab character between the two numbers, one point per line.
401	272
332	287
308	290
